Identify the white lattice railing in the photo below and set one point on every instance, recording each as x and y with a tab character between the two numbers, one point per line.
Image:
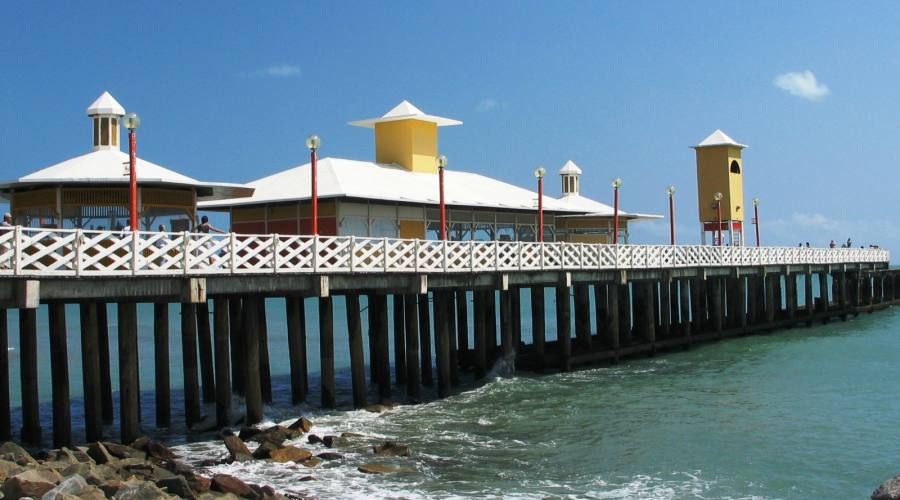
52	252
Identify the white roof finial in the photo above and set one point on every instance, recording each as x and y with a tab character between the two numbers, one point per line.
570	168
719	138
106	104
406	111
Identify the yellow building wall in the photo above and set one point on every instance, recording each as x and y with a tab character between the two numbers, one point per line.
714	175
412	229
409	143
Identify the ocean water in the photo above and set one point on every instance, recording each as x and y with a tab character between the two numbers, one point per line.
800	413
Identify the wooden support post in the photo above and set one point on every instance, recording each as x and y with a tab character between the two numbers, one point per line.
238	342
684	292
582	316
790	290
425	340
251	378
221	343
413	373
564	327
372	320
462	321
296	330
715	289
128	372
515	297
326	350
614	322
31	423
59	373
648	309
5	413
450	319
357	358
265	371
490	316
537	326
698	312
480	333
772	281
399	340
204	341
741	299
752	299
666	309
809	300
162	388
189	362
106	401
506	325
625	334
601	313
823	293
442	343
382	350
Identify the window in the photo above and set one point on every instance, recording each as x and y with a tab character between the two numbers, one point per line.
735	167
382	227
354	226
115	131
96	131
104	131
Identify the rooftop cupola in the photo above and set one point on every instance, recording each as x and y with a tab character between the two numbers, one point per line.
106	113
407	136
570	173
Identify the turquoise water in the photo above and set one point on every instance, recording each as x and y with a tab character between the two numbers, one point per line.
802	413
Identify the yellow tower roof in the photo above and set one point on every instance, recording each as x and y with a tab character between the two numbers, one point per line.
406	111
719	138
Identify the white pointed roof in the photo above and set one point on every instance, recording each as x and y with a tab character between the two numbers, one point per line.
570	168
108	166
406	111
365	180
106	104
719	138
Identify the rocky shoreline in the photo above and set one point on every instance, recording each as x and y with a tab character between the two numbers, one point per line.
148	469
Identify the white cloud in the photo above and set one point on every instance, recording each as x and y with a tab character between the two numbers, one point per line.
282	70
802	84
486	105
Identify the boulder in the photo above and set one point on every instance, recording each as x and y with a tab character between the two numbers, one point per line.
384	469
379	408
351	435
98	452
275	434
110	488
140	490
237	450
391	449
224	483
199	483
91	492
289	454
140	443
176	485
265	450
313	439
93	474
8	469
302	424
14	453
159	451
32	483
73	486
311	462
889	490
121	451
307	478
336	442
248	433
329	455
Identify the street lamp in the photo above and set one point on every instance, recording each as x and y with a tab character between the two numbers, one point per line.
132	122
313	142
539	173
718	198
671	192
616	184
756	218
442	162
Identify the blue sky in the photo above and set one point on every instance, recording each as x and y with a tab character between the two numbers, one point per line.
229	92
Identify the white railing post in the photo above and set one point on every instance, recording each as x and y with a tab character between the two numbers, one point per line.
315	255
77	243
352	249
185	253
416	249
444	255
471	247
134	252
384	251
17	250
541	256
275	253
232	252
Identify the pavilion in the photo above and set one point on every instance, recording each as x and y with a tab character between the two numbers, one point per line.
91	191
397	195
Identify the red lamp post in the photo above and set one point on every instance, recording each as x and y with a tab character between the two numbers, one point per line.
539	173
441	163
132	122
313	142
616	184
718	198
756	218
671	192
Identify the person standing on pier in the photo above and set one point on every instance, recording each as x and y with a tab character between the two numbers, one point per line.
7	225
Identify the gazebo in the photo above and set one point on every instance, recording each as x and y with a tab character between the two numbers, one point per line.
91	191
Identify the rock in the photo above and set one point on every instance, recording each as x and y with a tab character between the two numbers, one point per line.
198	483
30	483
229	484
218	496
379	408
247	433
889	490
275	434
8	469
302	424
237	450
264	450
311	462
391	449
73	486
265	492
329	455
99	453
110	488
176	485
93	474
159	451
313	439
336	442
91	492
289	454
140	490
121	451
307	478
351	435
140	443
14	453
384	469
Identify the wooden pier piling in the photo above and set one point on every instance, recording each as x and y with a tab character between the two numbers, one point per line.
296	329
538	326
5	413
564	327
189	363
265	371
221	343
425	340
382	346
326	351
237	342
106	399
31	423
479	346
357	358
204	342
161	364
59	373
399	339
413	368
129	398
251	378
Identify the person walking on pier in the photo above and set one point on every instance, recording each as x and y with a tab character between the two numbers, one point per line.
206	228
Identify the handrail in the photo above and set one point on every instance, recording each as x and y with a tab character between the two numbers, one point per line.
31	252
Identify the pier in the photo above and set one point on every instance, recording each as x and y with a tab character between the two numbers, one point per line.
645	299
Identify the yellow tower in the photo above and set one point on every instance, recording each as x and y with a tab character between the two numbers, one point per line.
407	136
720	169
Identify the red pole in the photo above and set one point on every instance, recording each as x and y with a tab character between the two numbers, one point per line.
443	207
672	218
756	222
615	216
540	228
314	192
132	181
719	220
